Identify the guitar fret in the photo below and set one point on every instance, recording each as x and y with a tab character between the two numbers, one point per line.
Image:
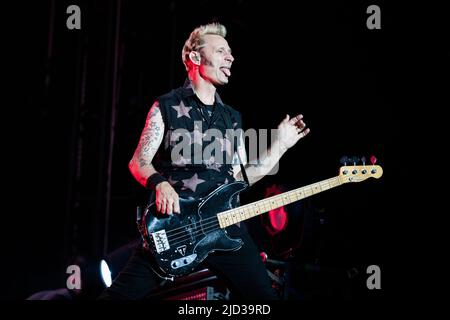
254	210
240	215
179	238
248	211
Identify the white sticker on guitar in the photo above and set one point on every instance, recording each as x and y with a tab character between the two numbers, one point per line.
161	241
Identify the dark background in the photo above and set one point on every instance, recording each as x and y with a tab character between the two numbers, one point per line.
82	96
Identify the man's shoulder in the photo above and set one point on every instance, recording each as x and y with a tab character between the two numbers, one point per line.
173	96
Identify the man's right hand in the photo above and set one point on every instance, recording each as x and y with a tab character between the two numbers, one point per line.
167	200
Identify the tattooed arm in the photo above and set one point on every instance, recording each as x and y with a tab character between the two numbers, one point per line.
151	137
141	167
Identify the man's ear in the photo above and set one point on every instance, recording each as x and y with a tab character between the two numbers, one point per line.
195	57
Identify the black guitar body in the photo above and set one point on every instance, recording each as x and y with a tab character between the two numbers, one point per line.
179	242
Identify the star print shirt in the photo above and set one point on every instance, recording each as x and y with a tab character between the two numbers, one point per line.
199	142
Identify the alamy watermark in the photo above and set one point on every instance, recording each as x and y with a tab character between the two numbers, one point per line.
374	20
374	280
228	148
74	279
74	20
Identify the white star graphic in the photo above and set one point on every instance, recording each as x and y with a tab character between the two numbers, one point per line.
182	110
212	164
192	183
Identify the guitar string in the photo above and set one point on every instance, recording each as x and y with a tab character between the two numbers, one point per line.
324	182
173	237
207	230
201	228
240	212
183	232
216	225
244	207
204	229
247	206
203	224
183	238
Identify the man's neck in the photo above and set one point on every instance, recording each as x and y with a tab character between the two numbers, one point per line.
204	90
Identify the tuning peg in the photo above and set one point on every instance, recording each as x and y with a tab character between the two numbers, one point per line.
344	160
373	160
354	160
363	160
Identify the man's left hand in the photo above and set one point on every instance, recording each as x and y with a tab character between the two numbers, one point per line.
291	131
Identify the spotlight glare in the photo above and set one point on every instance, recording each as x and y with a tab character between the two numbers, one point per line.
106	273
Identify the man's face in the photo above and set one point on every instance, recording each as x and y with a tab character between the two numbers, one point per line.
216	60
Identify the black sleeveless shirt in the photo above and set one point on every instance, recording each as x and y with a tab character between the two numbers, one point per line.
199	142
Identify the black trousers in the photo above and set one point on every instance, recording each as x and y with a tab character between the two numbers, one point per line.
242	270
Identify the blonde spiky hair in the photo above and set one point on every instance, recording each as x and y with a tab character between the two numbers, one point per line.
196	39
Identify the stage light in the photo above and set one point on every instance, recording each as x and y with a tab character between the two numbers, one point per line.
105	273
115	261
277	219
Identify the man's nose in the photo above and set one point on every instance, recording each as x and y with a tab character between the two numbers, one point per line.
229	57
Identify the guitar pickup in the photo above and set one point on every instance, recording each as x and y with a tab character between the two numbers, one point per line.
182	262
160	240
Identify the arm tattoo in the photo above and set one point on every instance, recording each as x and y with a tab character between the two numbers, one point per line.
151	137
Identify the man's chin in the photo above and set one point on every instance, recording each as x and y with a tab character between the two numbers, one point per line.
223	81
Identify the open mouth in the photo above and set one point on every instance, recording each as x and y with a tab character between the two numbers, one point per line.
226	71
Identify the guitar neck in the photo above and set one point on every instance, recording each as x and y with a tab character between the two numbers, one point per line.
254	209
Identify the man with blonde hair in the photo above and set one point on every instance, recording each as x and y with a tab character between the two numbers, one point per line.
184	114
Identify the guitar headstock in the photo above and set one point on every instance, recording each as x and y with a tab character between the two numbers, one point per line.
358	173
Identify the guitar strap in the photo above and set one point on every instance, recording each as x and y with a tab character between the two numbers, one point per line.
227	118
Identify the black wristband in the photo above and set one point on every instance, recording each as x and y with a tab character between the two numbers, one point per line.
154	180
